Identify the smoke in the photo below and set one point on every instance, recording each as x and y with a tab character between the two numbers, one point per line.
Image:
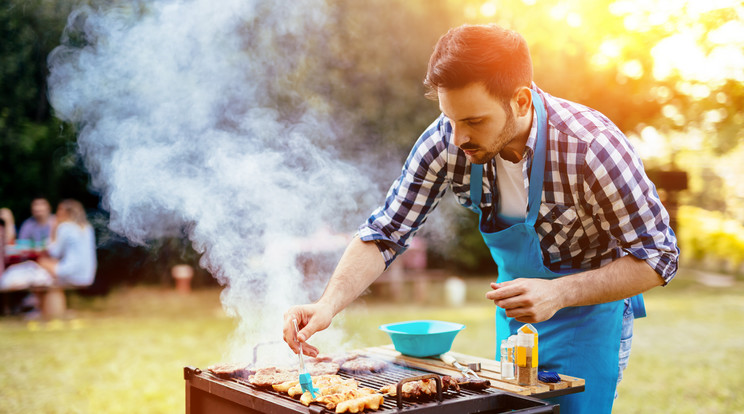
194	115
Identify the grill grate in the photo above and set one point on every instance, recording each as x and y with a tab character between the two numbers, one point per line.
210	396
391	375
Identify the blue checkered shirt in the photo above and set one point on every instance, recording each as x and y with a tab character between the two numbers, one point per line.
597	202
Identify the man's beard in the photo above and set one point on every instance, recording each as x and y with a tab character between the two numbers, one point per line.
507	134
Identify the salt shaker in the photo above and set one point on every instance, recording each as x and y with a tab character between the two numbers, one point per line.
507	358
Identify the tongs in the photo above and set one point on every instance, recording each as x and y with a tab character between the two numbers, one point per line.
448	359
305	381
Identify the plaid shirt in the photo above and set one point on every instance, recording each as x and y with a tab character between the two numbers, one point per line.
597	202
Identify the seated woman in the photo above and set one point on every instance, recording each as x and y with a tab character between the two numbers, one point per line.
70	258
10	231
72	251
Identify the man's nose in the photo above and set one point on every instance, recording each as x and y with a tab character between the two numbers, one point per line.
459	135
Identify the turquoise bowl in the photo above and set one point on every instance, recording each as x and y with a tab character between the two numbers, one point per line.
422	338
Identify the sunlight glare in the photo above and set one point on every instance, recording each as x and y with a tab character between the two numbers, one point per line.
488	9
573	19
682	53
672	113
650	144
471	12
632	69
608	52
678	52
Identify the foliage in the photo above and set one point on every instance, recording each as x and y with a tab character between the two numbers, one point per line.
367	67
710	235
37	152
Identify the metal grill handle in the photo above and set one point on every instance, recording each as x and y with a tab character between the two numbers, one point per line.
399	387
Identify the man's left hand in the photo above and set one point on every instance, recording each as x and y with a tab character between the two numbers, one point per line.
526	300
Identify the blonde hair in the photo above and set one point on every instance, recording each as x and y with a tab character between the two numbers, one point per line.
10	231
75	211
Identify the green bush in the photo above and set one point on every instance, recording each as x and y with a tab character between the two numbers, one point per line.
710	236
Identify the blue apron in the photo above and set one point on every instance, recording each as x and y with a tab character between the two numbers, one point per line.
579	341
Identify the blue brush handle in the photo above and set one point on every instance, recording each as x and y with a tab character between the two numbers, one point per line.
548	376
307	384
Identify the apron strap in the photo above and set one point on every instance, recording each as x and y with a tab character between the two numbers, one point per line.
538	162
476	184
639	306
537	170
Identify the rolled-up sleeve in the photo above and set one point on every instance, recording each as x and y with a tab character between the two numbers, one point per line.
626	204
412	197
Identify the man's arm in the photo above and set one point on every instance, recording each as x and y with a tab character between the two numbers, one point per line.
535	300
359	266
423	181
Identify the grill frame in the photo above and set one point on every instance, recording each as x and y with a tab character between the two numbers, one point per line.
207	393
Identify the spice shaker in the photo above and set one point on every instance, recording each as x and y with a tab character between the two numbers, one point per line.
526	352
507	358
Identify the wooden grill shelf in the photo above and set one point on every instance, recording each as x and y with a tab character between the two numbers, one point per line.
490	369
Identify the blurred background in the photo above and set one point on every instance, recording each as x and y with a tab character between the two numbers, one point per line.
669	74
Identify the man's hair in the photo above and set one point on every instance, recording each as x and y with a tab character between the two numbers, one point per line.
497	57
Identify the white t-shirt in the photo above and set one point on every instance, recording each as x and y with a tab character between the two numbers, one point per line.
512	191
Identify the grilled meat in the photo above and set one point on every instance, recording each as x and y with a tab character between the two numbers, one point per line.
284	386
230	370
332	400
449	384
343	358
322	382
332	390
322	368
363	365
270	376
373	402
476	384
414	390
266	377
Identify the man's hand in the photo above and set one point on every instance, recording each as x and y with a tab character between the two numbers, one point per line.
526	300
536	300
310	319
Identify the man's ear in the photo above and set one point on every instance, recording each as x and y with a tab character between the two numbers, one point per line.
522	101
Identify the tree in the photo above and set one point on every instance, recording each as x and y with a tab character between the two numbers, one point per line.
37	152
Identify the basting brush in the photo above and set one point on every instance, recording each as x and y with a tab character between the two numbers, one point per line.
305	381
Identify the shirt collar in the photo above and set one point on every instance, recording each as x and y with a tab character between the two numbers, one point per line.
529	148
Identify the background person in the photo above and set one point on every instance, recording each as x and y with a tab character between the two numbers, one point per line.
72	251
70	258
10	230
572	221
38	227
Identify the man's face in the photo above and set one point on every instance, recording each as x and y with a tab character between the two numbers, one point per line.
41	210
481	126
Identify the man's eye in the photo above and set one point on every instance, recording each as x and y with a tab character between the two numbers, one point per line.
473	122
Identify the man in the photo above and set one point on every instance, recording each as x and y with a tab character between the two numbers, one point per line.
38	227
572	221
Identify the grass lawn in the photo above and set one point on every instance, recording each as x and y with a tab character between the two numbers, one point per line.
125	353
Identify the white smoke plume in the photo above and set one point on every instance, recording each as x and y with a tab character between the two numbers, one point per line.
191	115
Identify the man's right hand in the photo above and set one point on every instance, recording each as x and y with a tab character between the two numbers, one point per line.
310	319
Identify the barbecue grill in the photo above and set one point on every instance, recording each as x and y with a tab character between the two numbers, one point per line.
207	393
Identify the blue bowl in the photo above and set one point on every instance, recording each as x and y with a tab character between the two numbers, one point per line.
422	338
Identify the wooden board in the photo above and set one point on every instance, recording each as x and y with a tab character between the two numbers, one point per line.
490	370
495	366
